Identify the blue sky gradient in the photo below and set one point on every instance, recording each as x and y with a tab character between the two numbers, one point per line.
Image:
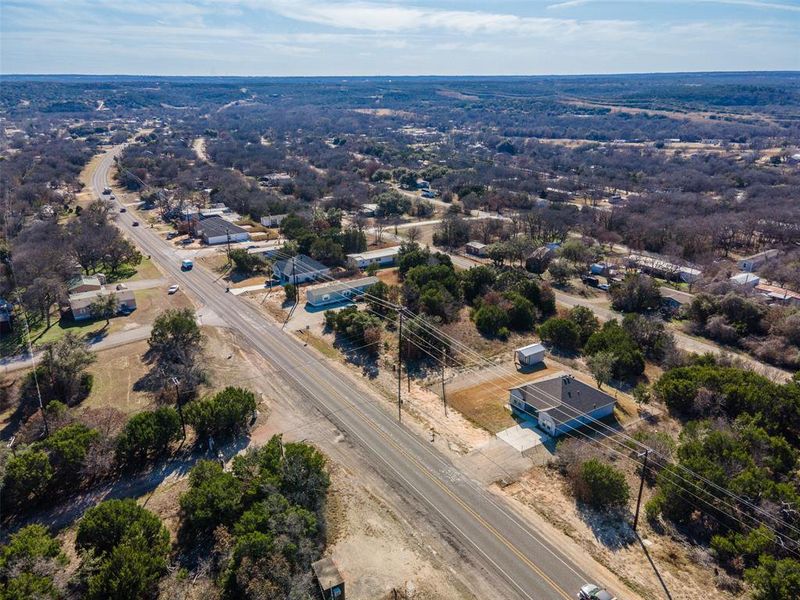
382	37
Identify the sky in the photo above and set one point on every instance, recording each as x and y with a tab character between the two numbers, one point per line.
396	37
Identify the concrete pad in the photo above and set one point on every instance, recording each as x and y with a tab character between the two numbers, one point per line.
524	437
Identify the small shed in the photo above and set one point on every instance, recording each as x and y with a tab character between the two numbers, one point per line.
331	583
529	355
476	248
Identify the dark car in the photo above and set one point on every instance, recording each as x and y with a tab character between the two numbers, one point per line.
123	209
135	223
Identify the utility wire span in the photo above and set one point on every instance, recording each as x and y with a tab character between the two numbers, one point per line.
452	342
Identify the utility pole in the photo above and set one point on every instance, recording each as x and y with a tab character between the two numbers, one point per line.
444	397
641	487
228	240
177	383
400	365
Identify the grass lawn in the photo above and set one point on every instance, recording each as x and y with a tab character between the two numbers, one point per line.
127	272
149	304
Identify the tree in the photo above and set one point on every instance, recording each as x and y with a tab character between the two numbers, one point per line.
413	234
28	564
562	333
490	319
130	572
476	281
522	314
650	334
601	485
104	307
290	291
63	363
105	526
577	253
246	263
176	348
68	448
121	252
775	579
146	434
222	415
585	321
601	366
28	476
629	360
131	545
635	293
560	271
214	498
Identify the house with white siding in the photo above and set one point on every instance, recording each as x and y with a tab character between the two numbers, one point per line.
560	403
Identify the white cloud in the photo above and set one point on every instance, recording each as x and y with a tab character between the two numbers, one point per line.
371	16
747	3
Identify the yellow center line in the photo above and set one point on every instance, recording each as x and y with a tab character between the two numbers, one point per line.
425	471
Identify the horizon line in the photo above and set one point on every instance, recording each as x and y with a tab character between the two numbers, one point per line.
410	76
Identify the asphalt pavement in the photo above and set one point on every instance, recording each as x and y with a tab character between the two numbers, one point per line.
487	528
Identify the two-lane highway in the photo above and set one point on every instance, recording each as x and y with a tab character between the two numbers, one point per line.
488	530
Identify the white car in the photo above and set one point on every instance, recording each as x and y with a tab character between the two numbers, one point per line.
592	592
173	288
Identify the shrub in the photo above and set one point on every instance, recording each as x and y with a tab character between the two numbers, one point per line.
635	293
562	333
112	522
629	360
585	321
148	433
602	486
490	318
223	414
290	290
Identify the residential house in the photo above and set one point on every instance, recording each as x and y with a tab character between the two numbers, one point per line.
339	291
86	283
368	209
756	261
476	248
383	257
778	294
560	403
745	280
216	230
299	269
659	267
80	303
539	260
530	355
273	220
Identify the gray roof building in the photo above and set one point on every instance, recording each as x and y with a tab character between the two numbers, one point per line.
560	403
302	267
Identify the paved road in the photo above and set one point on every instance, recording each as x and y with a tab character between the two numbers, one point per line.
97	342
512	554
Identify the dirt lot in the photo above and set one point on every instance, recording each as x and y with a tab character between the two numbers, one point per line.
688	573
366	531
484	403
481	396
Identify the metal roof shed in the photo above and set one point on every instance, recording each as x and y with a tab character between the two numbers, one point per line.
529	355
331	583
